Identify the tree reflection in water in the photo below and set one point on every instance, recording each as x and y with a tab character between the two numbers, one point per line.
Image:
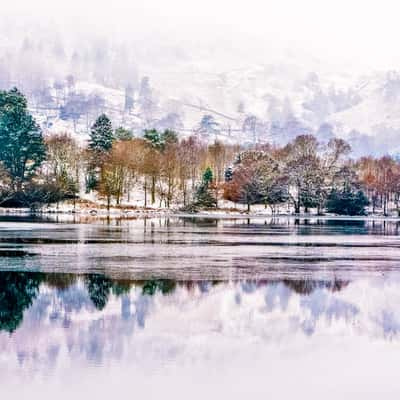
305	287
98	287
18	290
165	286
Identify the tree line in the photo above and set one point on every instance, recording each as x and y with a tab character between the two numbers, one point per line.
188	173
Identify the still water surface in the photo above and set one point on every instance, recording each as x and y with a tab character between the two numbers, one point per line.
199	308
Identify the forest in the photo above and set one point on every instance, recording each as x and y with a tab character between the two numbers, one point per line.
164	169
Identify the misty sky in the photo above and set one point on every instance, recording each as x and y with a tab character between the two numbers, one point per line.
353	34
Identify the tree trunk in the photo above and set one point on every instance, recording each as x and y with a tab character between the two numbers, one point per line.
128	191
298	203
145	193
169	193
373	204
153	189
272	208
385	204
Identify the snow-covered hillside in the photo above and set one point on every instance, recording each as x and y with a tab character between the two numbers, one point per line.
233	90
262	103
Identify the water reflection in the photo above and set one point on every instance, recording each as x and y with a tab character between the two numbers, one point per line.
17	292
164	303
54	322
47	298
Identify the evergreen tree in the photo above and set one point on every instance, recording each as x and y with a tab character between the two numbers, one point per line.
208	176
204	196
100	145
229	174
101	135
153	137
123	134
168	137
160	141
22	147
347	202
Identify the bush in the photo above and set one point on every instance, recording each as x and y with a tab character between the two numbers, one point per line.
347	202
35	195
190	208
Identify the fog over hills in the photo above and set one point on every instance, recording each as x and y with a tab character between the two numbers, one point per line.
222	81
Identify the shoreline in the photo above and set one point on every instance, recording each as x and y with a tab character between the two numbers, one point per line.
157	213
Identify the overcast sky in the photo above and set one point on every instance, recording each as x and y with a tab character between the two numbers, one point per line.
362	34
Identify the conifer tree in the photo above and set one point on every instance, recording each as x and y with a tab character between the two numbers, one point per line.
100	145
154	138
101	135
123	134
208	176
22	147
204	196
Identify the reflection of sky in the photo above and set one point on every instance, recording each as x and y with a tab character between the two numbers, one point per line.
268	338
198	325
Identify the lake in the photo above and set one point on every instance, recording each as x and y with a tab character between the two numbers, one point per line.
199	308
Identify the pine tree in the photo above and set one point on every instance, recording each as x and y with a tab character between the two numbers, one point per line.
208	176
22	147
101	135
100	145
204	196
153	137
229	174
160	141
123	134
168	137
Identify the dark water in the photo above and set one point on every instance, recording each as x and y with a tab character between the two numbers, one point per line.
195	308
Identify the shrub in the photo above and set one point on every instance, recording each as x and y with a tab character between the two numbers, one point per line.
347	202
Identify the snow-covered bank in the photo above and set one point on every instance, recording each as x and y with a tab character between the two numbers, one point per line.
89	211
126	212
